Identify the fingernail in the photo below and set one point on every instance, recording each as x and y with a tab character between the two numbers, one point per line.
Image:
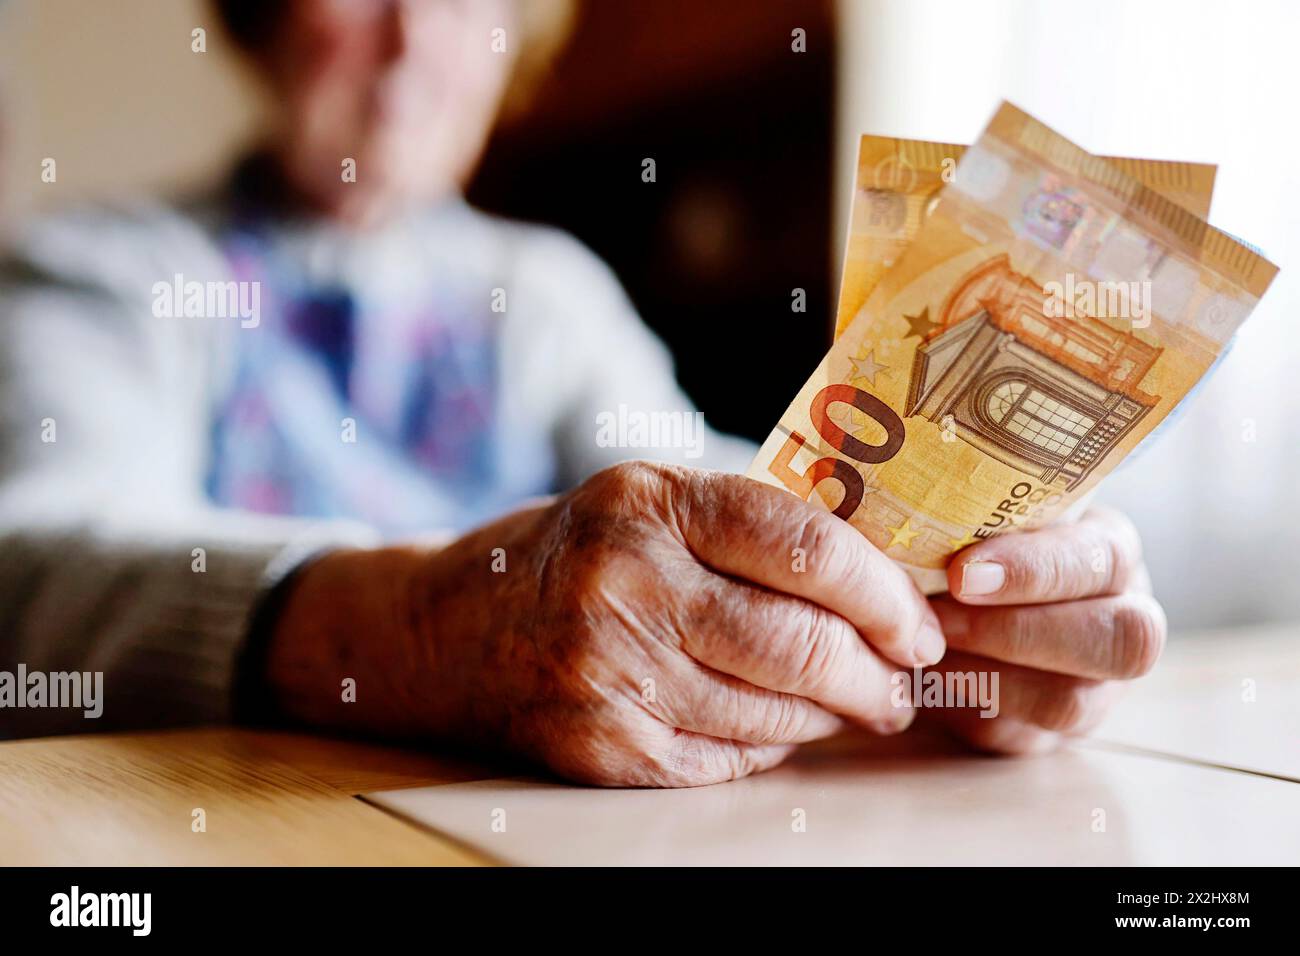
930	644
982	577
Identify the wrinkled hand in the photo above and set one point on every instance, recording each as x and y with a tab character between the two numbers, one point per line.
657	626
666	626
1064	614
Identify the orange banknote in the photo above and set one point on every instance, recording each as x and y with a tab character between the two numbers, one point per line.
898	183
1048	312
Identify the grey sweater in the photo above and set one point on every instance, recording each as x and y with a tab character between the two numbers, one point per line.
112	559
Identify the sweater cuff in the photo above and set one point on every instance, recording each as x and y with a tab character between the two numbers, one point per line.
252	702
189	664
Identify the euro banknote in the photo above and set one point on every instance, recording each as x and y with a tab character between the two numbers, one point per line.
1048	311
898	182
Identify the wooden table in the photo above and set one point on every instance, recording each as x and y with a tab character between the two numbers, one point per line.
285	798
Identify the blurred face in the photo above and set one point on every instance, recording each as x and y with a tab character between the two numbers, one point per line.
406	88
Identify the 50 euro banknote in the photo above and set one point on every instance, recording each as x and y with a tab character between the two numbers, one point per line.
897	185
1048	311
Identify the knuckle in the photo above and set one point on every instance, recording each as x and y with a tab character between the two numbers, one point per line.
627	754
596	760
816	651
819	540
1139	629
683	762
732	762
598	491
746	760
836	554
1013	632
783	719
1066	707
1127	533
1123	564
1123	547
696	616
593	585
1042	572
632	474
610	490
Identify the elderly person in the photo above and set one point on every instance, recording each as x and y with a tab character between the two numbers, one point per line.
311	497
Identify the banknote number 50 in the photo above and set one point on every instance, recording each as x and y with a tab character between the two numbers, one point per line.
849	446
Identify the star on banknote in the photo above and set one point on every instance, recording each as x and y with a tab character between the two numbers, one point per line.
903	534
920	324
866	367
959	543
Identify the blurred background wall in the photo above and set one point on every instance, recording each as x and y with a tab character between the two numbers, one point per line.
113	93
754	146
